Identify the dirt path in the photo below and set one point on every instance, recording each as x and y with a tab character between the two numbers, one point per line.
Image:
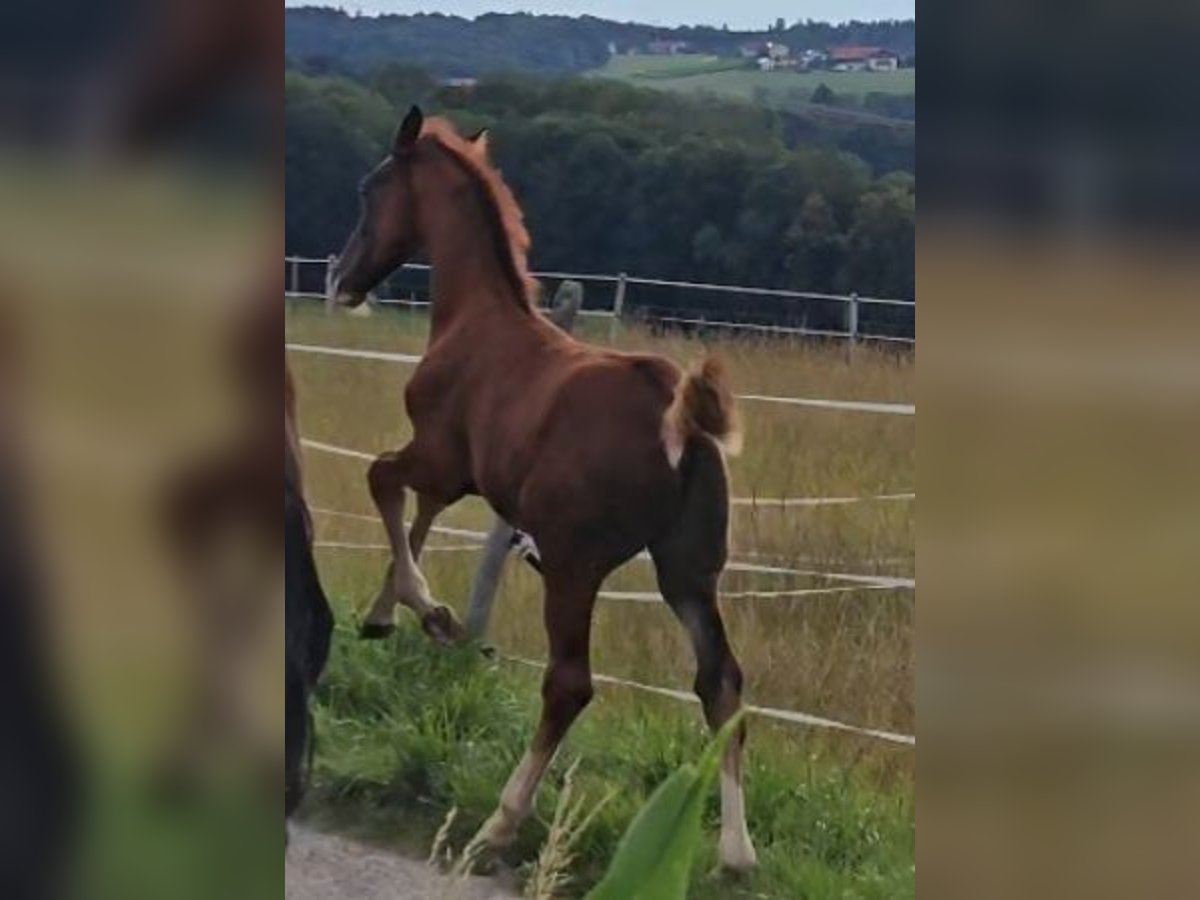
327	867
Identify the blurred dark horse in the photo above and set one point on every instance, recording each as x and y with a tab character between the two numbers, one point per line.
192	55
594	453
191	52
40	775
309	622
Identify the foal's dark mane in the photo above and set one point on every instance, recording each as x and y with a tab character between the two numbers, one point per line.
502	214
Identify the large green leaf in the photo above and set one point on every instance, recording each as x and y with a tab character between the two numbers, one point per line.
654	859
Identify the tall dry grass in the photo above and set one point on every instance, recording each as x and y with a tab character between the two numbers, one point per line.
847	655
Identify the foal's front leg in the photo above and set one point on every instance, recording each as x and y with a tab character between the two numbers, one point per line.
388	478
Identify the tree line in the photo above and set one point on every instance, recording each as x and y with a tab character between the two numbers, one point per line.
617	178
453	46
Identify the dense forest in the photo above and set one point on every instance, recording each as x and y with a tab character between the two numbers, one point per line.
616	178
497	42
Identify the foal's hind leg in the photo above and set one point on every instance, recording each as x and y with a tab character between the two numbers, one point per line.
566	690
692	594
388	477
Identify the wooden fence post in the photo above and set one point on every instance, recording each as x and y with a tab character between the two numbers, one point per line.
851	326
329	263
567	302
618	307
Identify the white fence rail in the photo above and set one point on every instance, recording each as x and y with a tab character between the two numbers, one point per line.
892	409
794	717
766	712
834	582
853	303
879	581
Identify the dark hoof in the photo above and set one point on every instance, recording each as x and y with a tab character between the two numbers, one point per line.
441	625
488	651
372	631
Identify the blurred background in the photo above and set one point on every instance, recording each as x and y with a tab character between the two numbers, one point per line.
1058	676
139	450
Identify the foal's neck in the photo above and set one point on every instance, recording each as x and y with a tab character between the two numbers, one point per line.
471	273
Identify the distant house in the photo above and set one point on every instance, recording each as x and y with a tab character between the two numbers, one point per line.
862	59
811	59
460	83
668	47
753	50
773	56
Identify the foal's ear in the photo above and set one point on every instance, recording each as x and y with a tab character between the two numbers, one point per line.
408	132
479	141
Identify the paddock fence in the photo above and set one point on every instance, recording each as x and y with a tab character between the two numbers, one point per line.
895	409
473	540
695	306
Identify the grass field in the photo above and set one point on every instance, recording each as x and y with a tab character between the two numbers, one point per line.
731	78
408	731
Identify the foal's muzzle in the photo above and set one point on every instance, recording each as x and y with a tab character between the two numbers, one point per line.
335	294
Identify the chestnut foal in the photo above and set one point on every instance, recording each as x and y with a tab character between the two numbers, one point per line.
596	454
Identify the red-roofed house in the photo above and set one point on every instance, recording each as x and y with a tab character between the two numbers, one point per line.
860	59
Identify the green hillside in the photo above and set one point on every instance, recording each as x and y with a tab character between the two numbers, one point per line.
732	78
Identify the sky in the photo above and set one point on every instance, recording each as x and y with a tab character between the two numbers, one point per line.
738	14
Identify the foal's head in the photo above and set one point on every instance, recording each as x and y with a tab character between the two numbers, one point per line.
392	226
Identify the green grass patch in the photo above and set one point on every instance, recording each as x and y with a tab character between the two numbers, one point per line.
651	67
408	730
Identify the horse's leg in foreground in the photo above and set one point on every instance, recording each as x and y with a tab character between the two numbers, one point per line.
404	583
688	562
566	690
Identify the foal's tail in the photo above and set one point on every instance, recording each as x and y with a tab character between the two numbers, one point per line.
704	404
